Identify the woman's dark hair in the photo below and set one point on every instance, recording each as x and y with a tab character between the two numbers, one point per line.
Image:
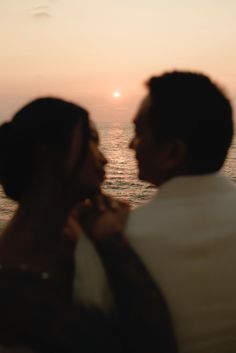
40	129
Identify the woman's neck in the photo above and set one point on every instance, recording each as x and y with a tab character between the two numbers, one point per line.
34	235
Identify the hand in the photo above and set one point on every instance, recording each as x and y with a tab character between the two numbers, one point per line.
72	228
103	216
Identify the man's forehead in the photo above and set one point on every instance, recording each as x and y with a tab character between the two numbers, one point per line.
143	110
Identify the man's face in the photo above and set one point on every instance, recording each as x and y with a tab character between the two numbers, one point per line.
143	142
156	161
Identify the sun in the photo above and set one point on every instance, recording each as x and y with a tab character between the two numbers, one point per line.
116	94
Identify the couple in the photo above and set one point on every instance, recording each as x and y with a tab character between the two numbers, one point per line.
185	236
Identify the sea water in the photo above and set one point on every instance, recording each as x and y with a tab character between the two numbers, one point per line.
121	181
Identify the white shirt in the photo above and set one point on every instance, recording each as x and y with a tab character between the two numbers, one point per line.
186	237
90	281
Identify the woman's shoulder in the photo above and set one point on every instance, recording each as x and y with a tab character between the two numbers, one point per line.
35	315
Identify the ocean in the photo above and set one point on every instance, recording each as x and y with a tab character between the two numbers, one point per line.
121	181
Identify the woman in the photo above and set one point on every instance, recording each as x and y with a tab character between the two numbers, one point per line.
49	161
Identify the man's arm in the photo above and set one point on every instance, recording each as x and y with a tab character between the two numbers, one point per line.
141	310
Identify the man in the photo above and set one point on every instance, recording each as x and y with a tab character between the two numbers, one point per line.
186	235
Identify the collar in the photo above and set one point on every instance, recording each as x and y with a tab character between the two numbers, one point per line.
184	186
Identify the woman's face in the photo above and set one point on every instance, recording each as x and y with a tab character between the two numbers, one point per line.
92	172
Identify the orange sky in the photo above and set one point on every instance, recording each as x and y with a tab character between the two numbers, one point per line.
84	50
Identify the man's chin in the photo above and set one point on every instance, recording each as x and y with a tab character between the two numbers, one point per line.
144	177
141	175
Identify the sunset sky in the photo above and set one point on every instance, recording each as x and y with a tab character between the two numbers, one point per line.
86	50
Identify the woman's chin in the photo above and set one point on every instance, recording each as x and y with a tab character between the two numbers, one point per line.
91	191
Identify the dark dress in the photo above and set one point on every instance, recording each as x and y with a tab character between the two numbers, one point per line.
39	314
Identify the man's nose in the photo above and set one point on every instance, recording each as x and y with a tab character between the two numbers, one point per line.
132	143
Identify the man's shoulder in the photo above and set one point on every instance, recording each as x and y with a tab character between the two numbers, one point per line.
183	199
143	216
145	208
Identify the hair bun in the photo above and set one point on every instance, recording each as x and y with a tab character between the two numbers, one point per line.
5	140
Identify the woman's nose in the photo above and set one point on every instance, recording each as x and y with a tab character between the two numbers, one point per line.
103	158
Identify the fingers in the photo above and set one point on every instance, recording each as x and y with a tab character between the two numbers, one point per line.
102	214
72	228
99	204
105	202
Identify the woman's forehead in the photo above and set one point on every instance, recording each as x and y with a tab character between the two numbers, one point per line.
92	125
93	130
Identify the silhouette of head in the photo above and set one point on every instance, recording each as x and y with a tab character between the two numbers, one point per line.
48	136
184	126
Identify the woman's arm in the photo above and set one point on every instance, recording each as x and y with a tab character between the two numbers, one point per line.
142	314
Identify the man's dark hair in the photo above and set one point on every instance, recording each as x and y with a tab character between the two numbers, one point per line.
189	106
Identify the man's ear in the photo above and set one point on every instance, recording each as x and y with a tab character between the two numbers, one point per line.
173	155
